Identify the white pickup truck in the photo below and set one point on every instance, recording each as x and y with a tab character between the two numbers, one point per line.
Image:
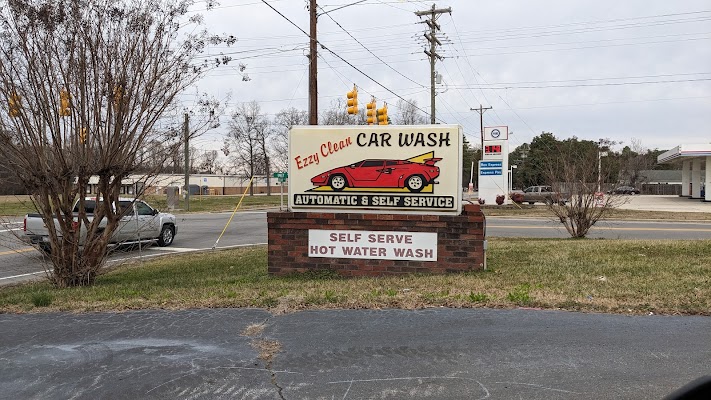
544	194
139	222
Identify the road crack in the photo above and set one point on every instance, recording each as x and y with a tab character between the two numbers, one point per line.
267	350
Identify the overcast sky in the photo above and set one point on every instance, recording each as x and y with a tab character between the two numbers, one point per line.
618	69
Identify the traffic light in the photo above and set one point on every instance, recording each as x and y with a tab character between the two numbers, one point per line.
82	135
383	115
14	104
65	107
371	111
352	97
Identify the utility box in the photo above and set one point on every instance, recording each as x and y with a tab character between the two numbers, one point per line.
173	197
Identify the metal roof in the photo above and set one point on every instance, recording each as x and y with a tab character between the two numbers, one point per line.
685	151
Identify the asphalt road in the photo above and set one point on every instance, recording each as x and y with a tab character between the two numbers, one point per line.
200	231
548	228
350	354
20	262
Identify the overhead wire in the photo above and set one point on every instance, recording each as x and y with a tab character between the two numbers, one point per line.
474	71
373	54
483	86
342	59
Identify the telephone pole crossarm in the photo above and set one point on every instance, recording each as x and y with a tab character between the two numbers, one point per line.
481	111
431	37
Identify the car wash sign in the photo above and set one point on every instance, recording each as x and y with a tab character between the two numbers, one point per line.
379	169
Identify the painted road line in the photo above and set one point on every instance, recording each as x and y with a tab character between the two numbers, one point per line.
173	249
184	250
10	230
22	250
23	275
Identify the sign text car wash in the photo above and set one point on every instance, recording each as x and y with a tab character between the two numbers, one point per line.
373	169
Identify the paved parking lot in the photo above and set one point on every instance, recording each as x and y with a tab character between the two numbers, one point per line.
666	203
650	203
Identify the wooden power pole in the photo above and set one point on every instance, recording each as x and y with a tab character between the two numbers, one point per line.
431	37
481	111
313	81
186	137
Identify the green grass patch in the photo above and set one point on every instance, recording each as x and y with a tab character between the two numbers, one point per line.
616	276
41	299
520	295
219	203
477	297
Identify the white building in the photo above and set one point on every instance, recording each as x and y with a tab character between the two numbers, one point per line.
695	160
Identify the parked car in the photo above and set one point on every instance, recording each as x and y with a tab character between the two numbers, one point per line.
544	194
380	174
140	222
624	190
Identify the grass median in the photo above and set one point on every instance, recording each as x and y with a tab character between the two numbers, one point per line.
18	206
611	276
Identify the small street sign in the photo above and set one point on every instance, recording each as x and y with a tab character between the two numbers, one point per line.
281	176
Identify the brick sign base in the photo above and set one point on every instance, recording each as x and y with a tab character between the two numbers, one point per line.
460	243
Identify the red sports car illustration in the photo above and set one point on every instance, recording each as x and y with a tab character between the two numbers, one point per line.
380	174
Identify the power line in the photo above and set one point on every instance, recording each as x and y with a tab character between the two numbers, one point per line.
589	84
456	30
518	34
373	54
342	59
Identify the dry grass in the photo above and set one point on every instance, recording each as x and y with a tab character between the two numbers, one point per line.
267	350
617	276
253	330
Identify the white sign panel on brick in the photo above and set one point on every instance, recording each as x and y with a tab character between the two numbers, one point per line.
383	245
379	169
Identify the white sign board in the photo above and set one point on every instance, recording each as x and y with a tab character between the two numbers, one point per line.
382	245
379	169
496	133
494	166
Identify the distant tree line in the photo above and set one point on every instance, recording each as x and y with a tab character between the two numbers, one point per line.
537	159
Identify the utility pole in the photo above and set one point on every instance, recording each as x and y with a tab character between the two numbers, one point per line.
186	136
601	144
313	82
431	37
481	111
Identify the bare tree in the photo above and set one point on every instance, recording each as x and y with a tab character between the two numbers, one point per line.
337	115
283	122
247	134
573	169
635	159
409	113
86	83
207	162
